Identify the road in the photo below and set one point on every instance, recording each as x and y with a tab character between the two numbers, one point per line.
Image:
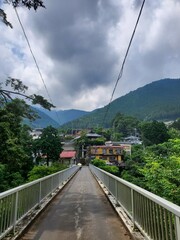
80	212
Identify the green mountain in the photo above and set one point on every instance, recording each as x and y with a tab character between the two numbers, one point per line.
43	121
53	118
159	100
64	116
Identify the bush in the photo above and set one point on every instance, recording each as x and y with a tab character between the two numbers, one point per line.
111	169
102	164
42	171
98	163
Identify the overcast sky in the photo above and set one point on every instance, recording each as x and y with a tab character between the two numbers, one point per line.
80	45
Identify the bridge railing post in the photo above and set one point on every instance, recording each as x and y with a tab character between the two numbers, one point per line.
177	219
132	207
15	211
116	191
155	217
40	190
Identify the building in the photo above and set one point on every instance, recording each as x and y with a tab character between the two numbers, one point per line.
36	133
132	140
126	146
112	154
68	157
90	136
89	139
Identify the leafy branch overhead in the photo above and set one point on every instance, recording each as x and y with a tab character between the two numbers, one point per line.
20	3
28	3
19	89
3	18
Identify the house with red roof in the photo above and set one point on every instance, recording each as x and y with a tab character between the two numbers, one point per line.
68	157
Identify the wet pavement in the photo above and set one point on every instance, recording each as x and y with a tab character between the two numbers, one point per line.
80	212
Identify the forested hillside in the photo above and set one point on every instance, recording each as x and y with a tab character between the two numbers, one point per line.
65	116
159	100
54	118
42	121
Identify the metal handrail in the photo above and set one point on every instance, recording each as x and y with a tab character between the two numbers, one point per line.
155	217
17	203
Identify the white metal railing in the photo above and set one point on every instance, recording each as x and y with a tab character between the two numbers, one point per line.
16	203
155	217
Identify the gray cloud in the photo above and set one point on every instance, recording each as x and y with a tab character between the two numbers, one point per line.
76	34
80	46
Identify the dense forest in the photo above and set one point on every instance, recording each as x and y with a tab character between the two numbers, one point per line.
19	153
159	100
154	168
154	165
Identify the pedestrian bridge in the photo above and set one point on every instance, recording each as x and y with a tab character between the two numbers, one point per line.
71	205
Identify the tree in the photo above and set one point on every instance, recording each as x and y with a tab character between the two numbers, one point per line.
15	142
124	125
17	3
162	171
106	133
19	90
49	144
156	168
42	171
133	164
174	133
102	164
176	124
15	145
153	132
81	143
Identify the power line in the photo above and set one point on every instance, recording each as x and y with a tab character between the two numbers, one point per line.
122	67
34	58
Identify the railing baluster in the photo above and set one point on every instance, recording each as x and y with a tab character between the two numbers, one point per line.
177	227
16	203
158	221
15	211
132	204
156	218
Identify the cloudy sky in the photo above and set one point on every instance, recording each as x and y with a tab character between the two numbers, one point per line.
80	45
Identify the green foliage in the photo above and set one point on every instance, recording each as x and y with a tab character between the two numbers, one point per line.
153	132
116	136
16	179
158	100
173	133
157	169
162	172
97	141
133	165
8	178
19	89
49	144
15	142
125	125
176	124
42	171
84	142
106	133
16	3
3	181
28	3
98	163
102	164
15	145
111	169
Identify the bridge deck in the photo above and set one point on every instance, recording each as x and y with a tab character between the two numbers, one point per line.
80	212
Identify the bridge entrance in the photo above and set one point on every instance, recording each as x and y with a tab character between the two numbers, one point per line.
80	212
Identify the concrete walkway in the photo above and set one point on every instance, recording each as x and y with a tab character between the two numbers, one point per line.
80	212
